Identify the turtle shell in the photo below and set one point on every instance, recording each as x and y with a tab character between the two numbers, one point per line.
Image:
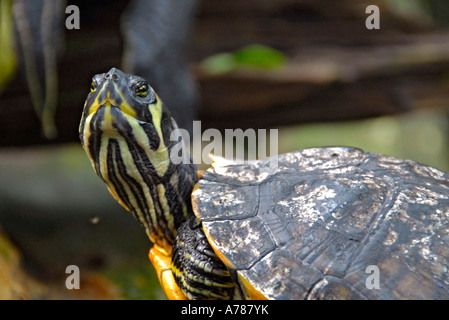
329	223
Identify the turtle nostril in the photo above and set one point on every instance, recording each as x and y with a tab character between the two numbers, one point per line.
111	75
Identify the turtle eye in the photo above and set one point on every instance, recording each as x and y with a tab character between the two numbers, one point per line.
92	86
141	89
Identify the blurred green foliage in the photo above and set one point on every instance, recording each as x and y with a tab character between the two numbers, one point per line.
137	282
7	56
254	56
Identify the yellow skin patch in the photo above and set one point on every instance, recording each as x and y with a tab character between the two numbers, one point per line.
162	264
165	206
200	173
156	113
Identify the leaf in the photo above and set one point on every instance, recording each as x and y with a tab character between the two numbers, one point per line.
259	56
254	56
219	63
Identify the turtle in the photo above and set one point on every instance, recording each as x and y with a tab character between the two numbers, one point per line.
322	223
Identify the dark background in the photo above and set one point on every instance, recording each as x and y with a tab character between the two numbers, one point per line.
327	81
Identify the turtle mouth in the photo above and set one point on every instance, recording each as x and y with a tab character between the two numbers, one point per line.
111	96
113	105
110	119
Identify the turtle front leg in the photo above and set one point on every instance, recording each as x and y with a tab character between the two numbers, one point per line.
199	273
162	263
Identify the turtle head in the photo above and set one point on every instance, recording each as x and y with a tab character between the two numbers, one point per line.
124	109
120	104
125	130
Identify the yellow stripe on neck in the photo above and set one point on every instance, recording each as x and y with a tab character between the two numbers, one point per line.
134	173
159	158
